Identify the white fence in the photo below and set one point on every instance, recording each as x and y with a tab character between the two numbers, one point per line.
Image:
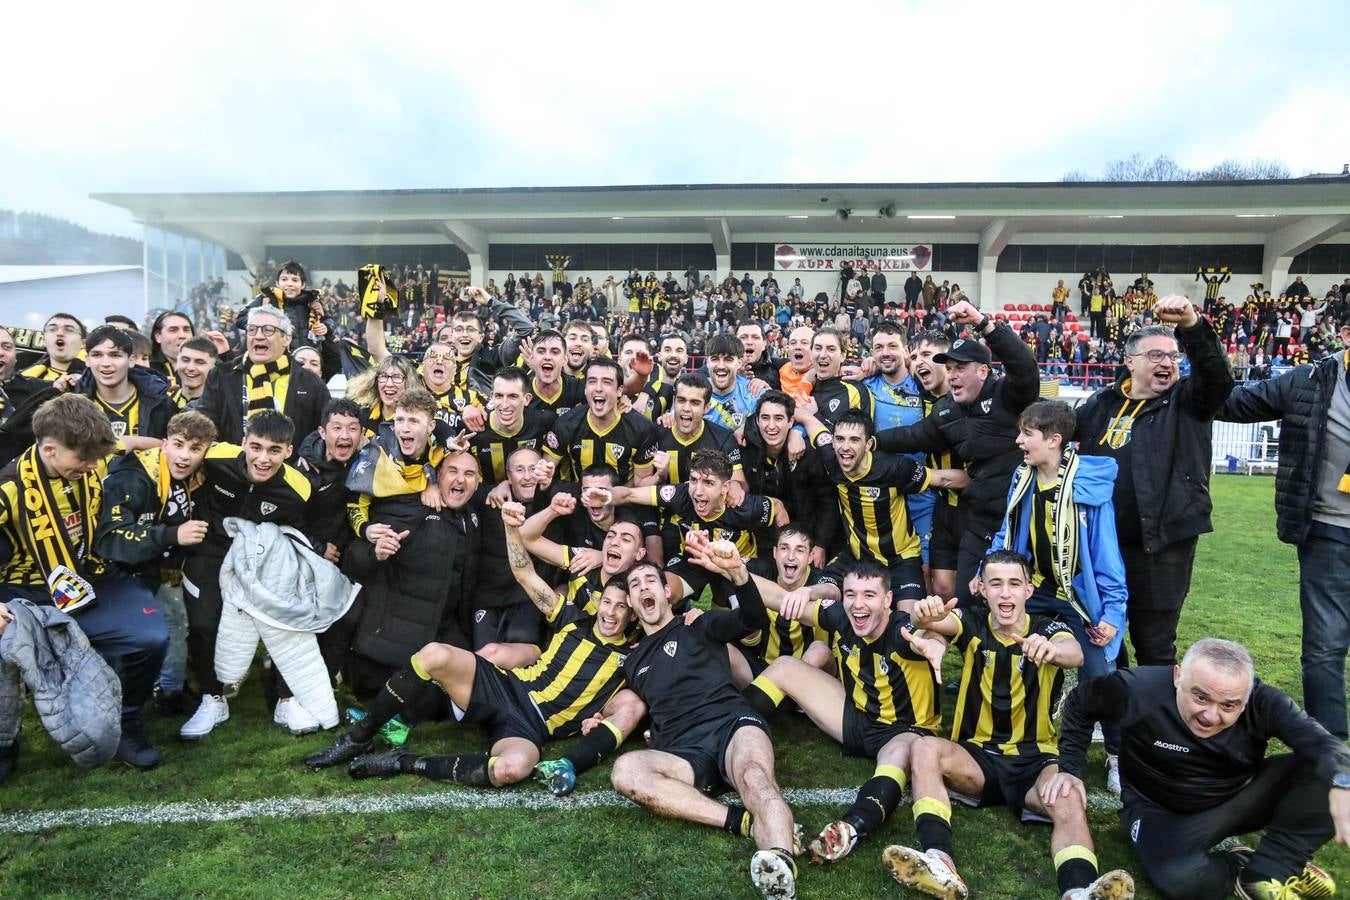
1247	448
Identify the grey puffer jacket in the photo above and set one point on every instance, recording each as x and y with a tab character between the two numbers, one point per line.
77	694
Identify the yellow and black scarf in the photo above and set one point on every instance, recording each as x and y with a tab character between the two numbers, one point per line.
175	497
260	383
368	280
43	531
1065	549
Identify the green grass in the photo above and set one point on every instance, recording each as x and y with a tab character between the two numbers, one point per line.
1245	587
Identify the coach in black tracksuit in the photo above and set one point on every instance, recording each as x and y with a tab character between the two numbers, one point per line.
1184	792
981	426
1156	425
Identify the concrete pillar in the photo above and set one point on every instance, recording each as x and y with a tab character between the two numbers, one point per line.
1283	245
993	239
474	242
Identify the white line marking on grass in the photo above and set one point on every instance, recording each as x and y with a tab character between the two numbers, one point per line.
303	807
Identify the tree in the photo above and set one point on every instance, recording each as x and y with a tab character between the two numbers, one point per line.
1136	168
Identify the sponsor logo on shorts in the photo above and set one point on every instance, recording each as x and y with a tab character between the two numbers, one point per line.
642	671
1134	831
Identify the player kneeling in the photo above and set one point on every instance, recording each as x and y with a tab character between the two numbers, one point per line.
1004	749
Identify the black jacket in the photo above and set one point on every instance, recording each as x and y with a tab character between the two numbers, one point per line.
222	401
1171	448
1300	398
326	511
983	433
807	494
409	603
227	492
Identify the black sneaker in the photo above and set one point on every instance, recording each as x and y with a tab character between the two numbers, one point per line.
135	748
381	765
341	750
9	758
176	703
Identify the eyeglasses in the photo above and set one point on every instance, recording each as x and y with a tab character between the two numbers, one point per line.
465	329
264	330
436	356
390	377
1157	356
61	329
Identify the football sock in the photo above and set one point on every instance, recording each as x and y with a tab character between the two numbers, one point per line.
399	691
466	768
933	822
738	820
1075	867
587	752
877	799
763	696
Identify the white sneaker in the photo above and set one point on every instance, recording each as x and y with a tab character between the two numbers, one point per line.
299	720
1116	885
212	712
281	713
1113	774
1097	736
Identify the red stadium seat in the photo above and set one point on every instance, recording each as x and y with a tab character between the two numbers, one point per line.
1070	317
1022	307
1036	307
1010	306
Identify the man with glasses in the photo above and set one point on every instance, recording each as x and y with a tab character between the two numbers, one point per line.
1156	425
263	379
464	333
63	338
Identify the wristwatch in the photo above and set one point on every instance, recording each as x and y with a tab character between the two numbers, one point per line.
1341	781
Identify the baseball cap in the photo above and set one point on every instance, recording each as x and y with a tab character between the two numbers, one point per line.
965	350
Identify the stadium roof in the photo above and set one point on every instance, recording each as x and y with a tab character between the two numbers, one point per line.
13	274
474	217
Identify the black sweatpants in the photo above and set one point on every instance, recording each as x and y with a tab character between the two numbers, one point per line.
1286	798
201	596
1158	584
974	546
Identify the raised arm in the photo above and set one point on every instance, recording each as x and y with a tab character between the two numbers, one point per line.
531	531
544	598
375	342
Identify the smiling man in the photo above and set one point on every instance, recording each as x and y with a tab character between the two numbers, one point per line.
1195	771
690	432
1003	749
1156	424
132	397
252	482
599	433
196	357
832	394
263	379
705	737
550	388
511	424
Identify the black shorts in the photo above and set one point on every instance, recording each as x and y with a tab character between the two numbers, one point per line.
501	703
906	575
521	623
705	749
1007	779
753	657
945	538
864	736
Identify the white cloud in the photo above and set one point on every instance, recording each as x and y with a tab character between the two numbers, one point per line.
268	97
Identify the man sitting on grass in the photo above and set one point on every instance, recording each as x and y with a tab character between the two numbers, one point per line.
1004	750
1194	771
578	676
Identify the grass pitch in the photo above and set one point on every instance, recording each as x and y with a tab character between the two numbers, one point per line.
1246	587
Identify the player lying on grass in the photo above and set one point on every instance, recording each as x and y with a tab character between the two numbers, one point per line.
578	678
705	737
888	697
1004	749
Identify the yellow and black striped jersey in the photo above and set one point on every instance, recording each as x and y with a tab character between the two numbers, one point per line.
784	637
576	674
124	417
450	406
886	679
734	523
835	396
943	459
626	445
1042	533
1005	702
708	437
492	447
873	504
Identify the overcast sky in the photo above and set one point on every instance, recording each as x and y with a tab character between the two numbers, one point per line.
254	97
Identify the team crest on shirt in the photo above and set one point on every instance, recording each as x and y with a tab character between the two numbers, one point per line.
882	667
989	657
478	616
870	493
834	404
986	405
552	440
670	648
616	451
267	508
528	445
119	429
667	492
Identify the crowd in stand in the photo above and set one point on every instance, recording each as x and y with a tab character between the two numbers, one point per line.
513	527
